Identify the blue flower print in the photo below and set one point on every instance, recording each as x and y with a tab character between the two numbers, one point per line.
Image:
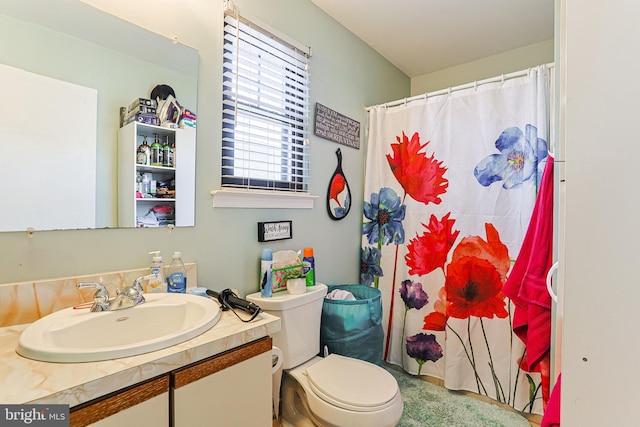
369	265
517	162
385	213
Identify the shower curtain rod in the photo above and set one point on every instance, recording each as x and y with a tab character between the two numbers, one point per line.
477	83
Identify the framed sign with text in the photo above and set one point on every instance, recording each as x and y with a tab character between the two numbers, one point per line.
277	230
336	127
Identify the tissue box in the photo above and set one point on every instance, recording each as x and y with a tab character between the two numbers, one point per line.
279	276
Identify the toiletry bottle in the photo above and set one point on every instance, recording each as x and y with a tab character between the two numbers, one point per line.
143	155
146	184
158	284
266	262
167	156
156	152
309	266
177	275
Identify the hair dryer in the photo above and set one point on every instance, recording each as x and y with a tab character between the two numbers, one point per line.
229	300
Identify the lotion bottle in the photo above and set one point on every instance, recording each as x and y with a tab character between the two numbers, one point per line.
157	284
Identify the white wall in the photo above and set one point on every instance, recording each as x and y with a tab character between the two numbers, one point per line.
346	76
601	286
492	66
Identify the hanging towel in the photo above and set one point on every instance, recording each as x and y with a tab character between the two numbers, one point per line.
526	284
551	416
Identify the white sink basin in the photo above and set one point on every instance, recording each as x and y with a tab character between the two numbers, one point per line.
77	335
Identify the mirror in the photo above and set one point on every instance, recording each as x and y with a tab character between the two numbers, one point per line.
338	193
48	52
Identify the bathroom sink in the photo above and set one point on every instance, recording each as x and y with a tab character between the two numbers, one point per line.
77	335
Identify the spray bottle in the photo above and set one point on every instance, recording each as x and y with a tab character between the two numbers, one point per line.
309	266
156	284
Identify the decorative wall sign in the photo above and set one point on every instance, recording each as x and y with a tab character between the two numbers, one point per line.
278	230
335	127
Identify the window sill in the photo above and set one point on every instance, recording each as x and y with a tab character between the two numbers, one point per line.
255	199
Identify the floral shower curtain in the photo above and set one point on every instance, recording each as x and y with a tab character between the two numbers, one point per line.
451	181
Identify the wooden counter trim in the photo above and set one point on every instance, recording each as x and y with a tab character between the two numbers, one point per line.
189	374
104	407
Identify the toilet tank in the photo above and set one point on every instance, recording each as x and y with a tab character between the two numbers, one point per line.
299	335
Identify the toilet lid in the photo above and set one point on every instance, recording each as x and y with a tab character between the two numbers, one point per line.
352	384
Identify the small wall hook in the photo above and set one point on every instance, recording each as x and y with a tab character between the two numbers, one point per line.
30	232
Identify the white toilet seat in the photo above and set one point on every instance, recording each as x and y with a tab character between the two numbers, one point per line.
342	398
352	384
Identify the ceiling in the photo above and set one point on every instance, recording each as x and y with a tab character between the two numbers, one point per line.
423	36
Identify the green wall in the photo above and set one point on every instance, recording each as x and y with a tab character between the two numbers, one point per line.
346	75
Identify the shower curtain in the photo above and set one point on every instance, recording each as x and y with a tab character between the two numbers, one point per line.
450	183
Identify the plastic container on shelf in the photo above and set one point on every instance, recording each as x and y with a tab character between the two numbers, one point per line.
156	152
167	157
143	154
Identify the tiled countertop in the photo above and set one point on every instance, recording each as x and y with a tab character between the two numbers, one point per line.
24	380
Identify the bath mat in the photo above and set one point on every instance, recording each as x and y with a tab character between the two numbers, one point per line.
429	405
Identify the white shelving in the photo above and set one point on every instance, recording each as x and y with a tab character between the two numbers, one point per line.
132	207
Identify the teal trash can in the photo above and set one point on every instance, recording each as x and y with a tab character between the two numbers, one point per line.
353	328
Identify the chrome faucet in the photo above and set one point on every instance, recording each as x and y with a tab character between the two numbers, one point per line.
100	298
130	296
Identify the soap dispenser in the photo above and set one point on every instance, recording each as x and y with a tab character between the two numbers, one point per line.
158	283
177	275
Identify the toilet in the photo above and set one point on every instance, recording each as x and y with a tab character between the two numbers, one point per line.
331	391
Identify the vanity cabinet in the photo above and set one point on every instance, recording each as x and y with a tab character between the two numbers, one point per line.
157	208
230	389
145	404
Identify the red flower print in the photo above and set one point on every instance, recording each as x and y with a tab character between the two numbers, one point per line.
420	176
429	251
473	289
493	250
437	320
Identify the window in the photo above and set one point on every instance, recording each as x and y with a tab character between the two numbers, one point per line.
265	110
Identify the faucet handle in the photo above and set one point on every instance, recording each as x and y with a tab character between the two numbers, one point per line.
100	298
136	283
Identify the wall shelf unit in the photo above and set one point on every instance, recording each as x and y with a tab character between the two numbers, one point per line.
172	200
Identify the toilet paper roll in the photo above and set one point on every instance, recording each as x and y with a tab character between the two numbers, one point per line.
276	378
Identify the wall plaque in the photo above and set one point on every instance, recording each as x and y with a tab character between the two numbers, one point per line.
276	230
331	125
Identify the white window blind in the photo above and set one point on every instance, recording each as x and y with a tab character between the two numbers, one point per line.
265	110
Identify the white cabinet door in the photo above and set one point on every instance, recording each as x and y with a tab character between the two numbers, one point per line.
152	413
232	389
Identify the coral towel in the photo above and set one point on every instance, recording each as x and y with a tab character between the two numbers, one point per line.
526	284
